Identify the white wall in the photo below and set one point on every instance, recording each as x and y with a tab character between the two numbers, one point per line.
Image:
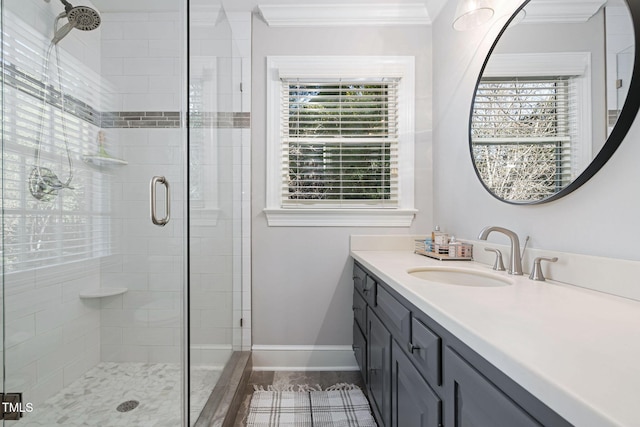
600	218
302	278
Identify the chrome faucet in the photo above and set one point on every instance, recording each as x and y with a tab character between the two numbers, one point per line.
515	262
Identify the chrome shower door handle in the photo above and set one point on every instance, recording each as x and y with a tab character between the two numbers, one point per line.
161	222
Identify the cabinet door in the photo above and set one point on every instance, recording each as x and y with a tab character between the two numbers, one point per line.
360	310
379	363
473	401
360	350
413	402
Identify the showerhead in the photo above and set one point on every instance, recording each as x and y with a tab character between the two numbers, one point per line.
85	18
81	17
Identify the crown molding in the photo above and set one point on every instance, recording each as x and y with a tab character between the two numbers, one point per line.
325	15
554	11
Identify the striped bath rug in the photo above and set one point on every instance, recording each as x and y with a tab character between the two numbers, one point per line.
341	405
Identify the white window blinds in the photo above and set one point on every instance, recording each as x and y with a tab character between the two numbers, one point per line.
74	224
339	142
521	134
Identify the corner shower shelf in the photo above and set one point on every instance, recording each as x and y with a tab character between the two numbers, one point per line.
101	161
102	292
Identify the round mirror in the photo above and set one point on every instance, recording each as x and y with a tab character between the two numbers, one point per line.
556	96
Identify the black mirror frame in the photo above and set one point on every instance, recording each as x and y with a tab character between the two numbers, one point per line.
620	129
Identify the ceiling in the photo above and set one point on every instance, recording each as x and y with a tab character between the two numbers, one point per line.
433	6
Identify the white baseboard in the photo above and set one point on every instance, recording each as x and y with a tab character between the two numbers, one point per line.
303	358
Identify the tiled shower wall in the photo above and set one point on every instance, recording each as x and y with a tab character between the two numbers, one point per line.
143	324
52	336
141	60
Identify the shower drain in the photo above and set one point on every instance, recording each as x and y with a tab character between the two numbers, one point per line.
127	406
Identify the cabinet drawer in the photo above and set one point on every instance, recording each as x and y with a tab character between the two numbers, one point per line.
359	278
395	315
364	284
360	310
360	350
426	351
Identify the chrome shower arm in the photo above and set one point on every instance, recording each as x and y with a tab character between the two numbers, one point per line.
67	5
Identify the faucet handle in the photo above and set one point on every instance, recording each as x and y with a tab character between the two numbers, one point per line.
497	264
536	273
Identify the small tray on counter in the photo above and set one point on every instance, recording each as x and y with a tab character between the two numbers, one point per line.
442	257
441	252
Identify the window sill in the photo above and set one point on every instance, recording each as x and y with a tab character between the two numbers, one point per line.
340	217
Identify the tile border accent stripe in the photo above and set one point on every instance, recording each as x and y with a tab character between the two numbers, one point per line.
13	77
140	119
172	119
25	83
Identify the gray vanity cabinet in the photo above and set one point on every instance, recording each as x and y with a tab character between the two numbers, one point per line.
364	284
475	401
425	351
418	374
359	310
360	350
379	360
395	316
413	402
359	328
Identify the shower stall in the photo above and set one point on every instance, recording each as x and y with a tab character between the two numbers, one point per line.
121	244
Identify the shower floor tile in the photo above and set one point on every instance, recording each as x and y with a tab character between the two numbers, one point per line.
92	399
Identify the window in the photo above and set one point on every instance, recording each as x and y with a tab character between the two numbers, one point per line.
531	123
521	136
341	143
75	225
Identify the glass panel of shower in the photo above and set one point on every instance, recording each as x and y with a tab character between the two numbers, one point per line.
119	217
214	201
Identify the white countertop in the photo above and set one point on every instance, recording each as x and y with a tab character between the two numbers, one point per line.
576	350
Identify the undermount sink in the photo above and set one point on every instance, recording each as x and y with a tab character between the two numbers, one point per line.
459	276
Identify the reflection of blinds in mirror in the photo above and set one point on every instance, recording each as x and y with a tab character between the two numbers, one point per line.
521	135
340	142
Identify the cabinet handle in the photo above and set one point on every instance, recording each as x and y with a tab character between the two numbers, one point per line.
412	348
355	347
354	308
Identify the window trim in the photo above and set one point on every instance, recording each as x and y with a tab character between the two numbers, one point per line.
347	67
573	64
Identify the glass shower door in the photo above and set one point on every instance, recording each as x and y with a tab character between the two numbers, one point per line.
2	210
93	288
